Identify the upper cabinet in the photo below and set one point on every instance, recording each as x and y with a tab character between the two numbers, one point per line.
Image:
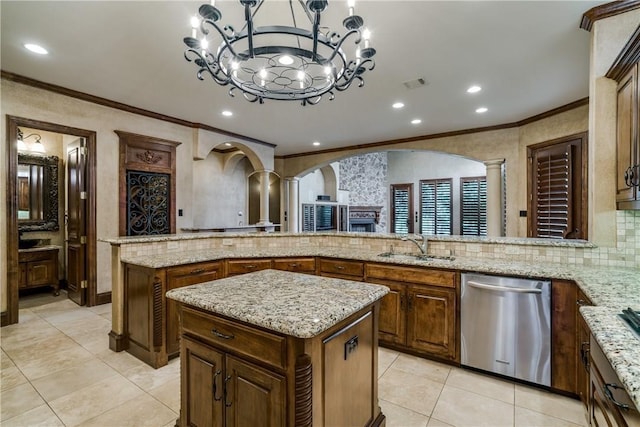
625	72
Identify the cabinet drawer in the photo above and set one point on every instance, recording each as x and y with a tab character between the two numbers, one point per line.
235	337
42	255
193	273
424	276
341	267
295	264
241	266
610	379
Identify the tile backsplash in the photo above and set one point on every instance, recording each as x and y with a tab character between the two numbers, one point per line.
625	254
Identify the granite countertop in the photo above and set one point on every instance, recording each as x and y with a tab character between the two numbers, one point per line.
293	304
611	289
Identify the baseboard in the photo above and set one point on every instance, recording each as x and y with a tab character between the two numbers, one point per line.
4	318
103	298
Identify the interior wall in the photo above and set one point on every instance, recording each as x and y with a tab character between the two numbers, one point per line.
412	166
310	186
219	196
37	104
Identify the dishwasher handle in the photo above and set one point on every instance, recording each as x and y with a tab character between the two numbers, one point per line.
503	288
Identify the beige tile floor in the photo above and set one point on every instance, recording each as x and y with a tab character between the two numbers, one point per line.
57	370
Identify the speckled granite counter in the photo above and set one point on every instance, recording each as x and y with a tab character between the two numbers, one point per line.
294	304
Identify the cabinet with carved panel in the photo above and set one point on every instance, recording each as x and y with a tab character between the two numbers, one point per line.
39	267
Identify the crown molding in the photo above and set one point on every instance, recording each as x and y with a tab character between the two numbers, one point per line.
627	58
606	10
123	107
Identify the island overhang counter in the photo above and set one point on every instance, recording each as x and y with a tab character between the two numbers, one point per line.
275	348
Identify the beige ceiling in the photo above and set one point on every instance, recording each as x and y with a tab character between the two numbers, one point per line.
528	56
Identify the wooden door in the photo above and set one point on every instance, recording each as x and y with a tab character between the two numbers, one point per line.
253	396
77	221
431	320
402	208
202	385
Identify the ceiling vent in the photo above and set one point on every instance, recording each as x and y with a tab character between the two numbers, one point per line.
416	83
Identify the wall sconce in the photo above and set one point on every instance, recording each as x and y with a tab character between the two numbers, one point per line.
36	146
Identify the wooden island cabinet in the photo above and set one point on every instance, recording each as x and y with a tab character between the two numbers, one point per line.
271	366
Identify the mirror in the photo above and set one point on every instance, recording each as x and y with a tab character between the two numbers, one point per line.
37	192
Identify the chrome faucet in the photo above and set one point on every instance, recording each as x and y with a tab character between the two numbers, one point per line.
422	246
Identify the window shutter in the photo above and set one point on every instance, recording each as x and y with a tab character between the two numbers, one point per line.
473	203
401	213
435	206
308	217
553	192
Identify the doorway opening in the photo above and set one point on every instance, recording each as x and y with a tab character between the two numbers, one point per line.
80	259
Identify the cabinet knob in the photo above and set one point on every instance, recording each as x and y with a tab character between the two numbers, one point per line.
197	271
250	266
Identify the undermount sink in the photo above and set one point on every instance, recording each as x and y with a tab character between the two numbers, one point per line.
418	257
27	243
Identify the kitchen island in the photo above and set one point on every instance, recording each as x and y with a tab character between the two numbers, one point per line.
276	348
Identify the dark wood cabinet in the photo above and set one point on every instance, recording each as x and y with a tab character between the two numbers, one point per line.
296	265
221	390
420	313
39	267
582	382
178	277
628	141
340	268
234	374
242	266
564	353
609	403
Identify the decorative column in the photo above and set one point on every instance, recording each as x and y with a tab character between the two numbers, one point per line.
292	208
264	197
494	197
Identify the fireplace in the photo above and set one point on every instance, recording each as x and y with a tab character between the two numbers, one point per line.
364	218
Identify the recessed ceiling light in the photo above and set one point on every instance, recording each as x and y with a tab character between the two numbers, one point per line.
227	113
36	48
416	121
316	143
474	89
482	110
228	144
398	105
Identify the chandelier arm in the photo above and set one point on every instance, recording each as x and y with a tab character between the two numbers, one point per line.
316	26
202	62
341	42
226	40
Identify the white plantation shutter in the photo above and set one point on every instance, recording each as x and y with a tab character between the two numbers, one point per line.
401	203
435	206
473	206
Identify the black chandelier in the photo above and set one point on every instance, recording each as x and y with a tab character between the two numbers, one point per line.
285	63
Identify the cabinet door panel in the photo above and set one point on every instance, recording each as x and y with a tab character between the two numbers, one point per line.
202	392
564	362
392	324
177	278
253	397
627	129
40	273
431	321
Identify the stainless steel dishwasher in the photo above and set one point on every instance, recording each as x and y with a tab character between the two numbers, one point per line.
506	326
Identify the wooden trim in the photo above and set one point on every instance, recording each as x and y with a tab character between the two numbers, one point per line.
13	123
303	391
627	58
544	115
118	342
124	107
606	10
4	318
562	109
103	298
159	157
